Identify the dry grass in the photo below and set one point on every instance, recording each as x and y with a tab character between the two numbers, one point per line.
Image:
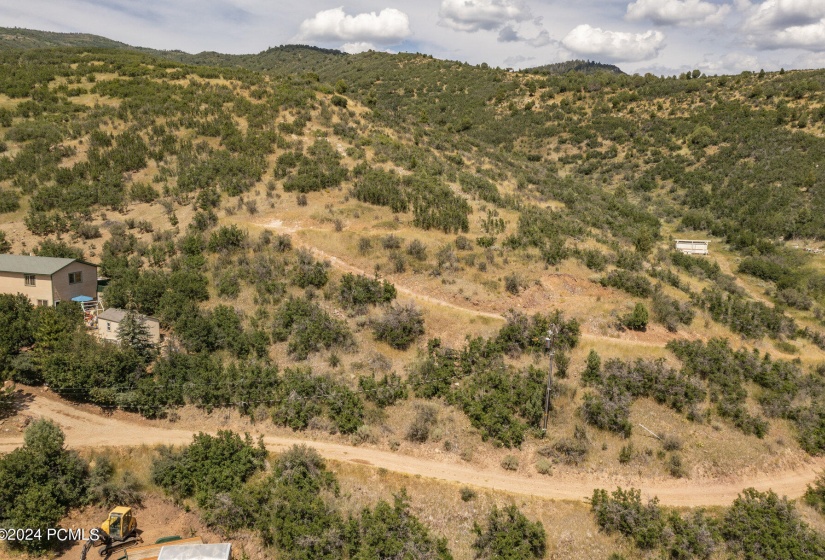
571	532
570	286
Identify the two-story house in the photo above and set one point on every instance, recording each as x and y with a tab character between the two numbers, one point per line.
47	280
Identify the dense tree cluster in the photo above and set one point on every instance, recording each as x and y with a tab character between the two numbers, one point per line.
293	507
757	525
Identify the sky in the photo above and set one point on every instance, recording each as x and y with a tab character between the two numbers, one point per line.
663	37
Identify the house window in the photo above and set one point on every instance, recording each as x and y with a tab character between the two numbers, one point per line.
30	279
75	278
42	303
108	326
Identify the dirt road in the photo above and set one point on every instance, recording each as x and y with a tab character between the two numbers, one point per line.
340	264
84	429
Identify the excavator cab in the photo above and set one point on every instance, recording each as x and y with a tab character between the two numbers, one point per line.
119	531
121	524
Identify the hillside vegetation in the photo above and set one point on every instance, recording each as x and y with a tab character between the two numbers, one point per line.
310	227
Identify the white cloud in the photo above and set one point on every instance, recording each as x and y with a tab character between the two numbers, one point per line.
808	60
614	46
387	27
782	14
808	37
779	24
677	12
475	15
730	63
359	47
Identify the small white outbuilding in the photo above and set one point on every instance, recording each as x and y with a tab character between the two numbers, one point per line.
196	552
108	324
692	246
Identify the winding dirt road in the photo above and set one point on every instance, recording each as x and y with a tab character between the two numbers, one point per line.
340	264
87	430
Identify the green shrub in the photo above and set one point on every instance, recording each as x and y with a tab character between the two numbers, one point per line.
792	297
509	535
626	454
308	272
522	333
400	326
359	291
39	483
227	238
208	466
385	391
143	192
569	450
510	463
322	170
467	493
634	284
622	511
425	418
417	250
675	467
628	260
382	188
9	201
308	328
593	369
543	466
60	249
609	410
698	266
5	244
670	312
513	283
288	508
301	396
498	402
392	531
815	494
761	525
109	491
480	187
637	319
593	259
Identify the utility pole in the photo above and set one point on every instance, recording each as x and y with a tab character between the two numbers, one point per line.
549	341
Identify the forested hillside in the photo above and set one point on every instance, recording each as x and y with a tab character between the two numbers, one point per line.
373	247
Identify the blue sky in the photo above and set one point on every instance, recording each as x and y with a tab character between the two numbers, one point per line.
658	36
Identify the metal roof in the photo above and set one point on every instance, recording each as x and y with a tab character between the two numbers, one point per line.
116	315
24	264
113	314
196	552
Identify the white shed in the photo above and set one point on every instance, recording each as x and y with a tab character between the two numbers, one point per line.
692	246
196	552
108	324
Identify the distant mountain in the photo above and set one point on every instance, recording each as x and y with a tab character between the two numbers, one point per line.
15	38
583	66
285	58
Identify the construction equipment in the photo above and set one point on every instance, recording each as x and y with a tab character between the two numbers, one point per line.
117	532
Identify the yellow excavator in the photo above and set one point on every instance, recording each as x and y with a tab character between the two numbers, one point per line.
117	532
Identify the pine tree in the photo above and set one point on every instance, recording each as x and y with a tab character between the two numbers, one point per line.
133	333
593	372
